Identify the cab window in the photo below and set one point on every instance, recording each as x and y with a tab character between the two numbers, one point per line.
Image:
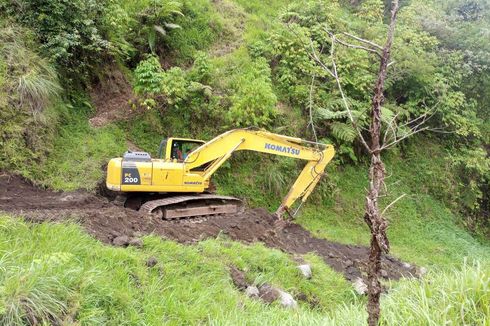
182	148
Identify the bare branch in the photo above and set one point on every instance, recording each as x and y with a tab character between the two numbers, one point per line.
315	57
391	125
357	47
391	204
357	38
410	134
311	108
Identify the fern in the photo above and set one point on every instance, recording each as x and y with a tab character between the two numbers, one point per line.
343	131
387	115
331	115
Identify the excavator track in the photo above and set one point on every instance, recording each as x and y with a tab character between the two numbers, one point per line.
181	207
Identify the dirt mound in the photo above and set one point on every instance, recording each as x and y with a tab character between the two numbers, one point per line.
106	222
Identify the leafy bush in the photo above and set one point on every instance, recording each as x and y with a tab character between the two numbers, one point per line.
148	76
71	33
154	20
253	101
176	90
175	87
472	167
201	70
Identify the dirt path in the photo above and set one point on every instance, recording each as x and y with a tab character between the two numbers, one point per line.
106	221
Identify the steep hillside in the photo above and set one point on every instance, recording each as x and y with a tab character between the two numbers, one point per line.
83	81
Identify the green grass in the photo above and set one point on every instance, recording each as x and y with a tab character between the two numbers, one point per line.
56	273
79	153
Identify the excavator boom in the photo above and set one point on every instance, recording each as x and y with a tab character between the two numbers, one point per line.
137	172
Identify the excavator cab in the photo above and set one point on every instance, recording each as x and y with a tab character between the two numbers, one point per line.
177	148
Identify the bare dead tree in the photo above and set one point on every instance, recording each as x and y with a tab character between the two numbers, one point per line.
374	219
374	145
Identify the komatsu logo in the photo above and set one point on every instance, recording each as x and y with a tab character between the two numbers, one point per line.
283	149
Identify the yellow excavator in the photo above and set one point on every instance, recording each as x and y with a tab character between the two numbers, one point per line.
177	184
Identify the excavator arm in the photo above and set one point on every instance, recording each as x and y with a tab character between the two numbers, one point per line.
210	156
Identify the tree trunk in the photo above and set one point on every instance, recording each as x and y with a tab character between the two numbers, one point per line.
377	224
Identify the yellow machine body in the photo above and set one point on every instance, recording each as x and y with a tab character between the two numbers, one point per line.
137	172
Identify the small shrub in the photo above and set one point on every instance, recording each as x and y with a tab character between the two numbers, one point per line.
148	76
253	103
175	86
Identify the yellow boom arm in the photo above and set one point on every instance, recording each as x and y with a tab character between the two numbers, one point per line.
214	153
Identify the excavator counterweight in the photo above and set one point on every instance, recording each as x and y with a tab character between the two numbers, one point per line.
177	183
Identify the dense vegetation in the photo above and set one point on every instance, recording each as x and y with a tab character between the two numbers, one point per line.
201	67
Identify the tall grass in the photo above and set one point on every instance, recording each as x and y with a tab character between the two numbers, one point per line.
37	82
457	297
38	86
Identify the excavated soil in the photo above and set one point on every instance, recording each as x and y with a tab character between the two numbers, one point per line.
106	221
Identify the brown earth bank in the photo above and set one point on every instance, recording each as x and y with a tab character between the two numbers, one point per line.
111	97
107	222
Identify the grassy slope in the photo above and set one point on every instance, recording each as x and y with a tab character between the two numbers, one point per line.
80	152
59	268
58	273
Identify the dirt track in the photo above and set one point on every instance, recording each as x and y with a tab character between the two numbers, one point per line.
106	221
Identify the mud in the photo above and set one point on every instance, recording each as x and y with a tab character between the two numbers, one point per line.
106	222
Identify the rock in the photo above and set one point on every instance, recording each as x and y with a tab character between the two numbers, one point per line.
135	242
287	300
421	271
268	294
114	233
384	273
67	198
407	265
305	270
360	286
151	262
238	278
121	241
349	262
124	241
252	291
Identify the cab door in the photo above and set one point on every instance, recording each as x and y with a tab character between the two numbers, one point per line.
168	175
